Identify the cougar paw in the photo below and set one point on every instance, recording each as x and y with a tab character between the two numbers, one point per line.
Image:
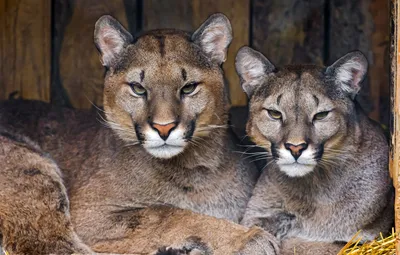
191	246
172	251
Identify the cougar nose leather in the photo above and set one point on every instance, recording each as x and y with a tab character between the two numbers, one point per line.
164	130
296	150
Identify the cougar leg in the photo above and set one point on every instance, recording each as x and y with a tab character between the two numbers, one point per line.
34	207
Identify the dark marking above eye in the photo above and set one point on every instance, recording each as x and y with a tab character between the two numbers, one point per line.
187	189
278	100
142	76
161	42
316	100
32	171
184	74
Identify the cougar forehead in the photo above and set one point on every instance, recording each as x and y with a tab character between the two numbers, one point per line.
165	47
295	79
297	92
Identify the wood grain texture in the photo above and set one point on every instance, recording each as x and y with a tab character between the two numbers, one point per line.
25	48
394	162
289	31
62	12
351	28
167	14
80	70
378	72
188	15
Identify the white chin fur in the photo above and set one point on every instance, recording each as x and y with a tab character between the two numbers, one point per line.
165	151
159	148
296	169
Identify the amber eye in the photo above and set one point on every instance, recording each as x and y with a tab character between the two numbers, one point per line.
321	115
189	88
276	115
138	89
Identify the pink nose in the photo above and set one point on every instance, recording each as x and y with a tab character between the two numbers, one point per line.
164	130
296	150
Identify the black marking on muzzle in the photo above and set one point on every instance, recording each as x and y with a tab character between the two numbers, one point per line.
320	152
190	130
139	134
274	151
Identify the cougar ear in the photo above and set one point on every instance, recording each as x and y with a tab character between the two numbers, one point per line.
110	38
349	72
214	37
252	67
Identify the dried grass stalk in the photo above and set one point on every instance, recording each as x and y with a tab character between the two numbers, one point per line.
380	246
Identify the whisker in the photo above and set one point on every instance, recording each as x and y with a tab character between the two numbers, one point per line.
258	159
266	165
95	106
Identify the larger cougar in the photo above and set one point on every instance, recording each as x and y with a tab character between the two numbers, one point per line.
166	143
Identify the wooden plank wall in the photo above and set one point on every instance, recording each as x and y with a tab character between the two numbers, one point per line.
25	48
286	31
80	72
394	163
289	31
364	25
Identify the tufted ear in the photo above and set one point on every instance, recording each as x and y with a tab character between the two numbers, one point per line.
214	37
349	72
252	68
110	38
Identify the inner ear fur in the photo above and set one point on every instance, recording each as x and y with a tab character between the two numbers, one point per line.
348	72
111	38
252	67
214	37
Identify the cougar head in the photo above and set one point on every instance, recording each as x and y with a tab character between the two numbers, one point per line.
301	114
164	89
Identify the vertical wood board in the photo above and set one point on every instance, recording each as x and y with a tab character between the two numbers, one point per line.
289	31
394	163
357	25
379	65
25	48
80	70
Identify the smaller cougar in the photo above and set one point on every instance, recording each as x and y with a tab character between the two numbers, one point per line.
327	177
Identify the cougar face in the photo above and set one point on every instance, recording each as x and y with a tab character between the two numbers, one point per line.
164	89
300	114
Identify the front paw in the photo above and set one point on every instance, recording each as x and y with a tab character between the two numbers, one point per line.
191	246
172	251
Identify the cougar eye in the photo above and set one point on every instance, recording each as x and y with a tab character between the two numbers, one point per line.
321	115
137	89
189	88
276	115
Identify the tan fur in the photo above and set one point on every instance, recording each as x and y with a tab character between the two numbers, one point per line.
34	208
297	246
110	174
340	183
162	226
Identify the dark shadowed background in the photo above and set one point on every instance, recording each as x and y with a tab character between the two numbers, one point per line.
47	50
